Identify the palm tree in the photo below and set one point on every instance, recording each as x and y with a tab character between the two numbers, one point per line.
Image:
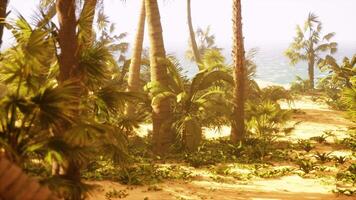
161	116
67	36
308	44
3	6
193	42
238	125
135	65
205	42
68	67
197	103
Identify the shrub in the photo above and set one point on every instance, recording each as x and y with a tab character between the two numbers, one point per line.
340	159
322	157
320	139
306	145
306	165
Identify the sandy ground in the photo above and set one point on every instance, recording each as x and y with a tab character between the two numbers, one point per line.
316	118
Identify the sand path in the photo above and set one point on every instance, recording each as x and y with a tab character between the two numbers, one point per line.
316	119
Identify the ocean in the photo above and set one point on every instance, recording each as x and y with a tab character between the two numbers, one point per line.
272	65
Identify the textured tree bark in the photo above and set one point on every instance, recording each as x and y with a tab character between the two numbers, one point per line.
3	6
68	67
15	184
238	125
311	72
193	42
68	58
135	65
88	12
162	114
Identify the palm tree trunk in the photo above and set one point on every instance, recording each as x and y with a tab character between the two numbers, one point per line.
68	59
238	126
193	42
89	13
135	65
161	116
16	184
311	72
3	6
68	68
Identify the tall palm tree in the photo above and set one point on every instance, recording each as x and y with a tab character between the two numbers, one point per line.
308	44
68	67
193	42
161	116
134	69
68	42
205	42
3	6
238	125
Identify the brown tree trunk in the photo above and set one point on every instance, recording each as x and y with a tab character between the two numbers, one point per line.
311	73
68	68
135	65
88	13
162	114
238	125
15	184
193	42
68	58
3	6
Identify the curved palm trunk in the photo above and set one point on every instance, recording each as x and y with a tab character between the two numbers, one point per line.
238	126
134	69
3	6
88	12
68	59
161	116
193	42
15	184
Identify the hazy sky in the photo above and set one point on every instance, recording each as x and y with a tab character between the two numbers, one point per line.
265	21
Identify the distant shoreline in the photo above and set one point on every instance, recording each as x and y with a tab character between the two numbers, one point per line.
263	84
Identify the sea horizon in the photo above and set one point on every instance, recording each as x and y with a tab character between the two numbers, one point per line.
272	65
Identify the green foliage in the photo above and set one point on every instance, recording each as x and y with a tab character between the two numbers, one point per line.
322	157
205	42
151	173
348	175
116	194
300	86
306	145
196	104
320	139
347	192
206	155
61	122
350	141
306	165
339	86
340	159
348	98
265	120
264	117
273	173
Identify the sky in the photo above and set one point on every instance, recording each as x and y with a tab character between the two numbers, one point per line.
265	22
